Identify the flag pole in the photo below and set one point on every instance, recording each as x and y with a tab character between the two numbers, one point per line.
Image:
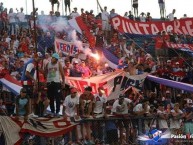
97	7
131	6
26	6
35	39
63	7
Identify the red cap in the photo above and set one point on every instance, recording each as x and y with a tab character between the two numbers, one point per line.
74	90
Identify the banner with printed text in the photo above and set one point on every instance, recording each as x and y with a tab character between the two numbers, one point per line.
187	47
124	25
114	83
68	48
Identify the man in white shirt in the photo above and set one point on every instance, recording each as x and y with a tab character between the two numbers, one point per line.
142	17
99	110
171	15
142	109
74	13
71	104
120	107
21	17
175	121
162	118
100	101
105	20
71	109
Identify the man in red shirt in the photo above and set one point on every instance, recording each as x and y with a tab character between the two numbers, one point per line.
158	45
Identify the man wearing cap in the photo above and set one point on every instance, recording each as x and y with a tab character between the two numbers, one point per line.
71	108
177	67
55	77
75	70
22	104
28	80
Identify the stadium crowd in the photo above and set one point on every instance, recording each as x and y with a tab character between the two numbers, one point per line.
168	108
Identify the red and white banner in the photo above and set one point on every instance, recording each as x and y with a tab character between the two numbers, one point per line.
46	127
179	46
69	48
114	83
181	26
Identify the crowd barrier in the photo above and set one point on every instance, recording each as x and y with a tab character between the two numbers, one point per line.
135	124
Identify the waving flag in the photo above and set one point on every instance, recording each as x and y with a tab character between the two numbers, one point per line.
46	127
111	59
9	82
80	26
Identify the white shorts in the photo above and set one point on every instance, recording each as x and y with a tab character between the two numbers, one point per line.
105	25
162	6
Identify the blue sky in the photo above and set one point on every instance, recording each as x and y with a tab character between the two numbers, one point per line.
121	6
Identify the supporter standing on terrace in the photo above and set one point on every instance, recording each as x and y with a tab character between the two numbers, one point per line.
142	17
22	21
71	109
53	2
105	20
12	21
28	81
162	8
135	6
171	15
148	17
188	123
22	104
4	17
1	7
99	109
158	45
54	73
74	13
120	107
176	120
131	17
67	5
86	110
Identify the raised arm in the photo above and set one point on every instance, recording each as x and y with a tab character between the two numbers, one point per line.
100	6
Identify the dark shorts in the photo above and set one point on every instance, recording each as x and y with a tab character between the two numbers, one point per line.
29	89
135	5
67	3
54	2
54	90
